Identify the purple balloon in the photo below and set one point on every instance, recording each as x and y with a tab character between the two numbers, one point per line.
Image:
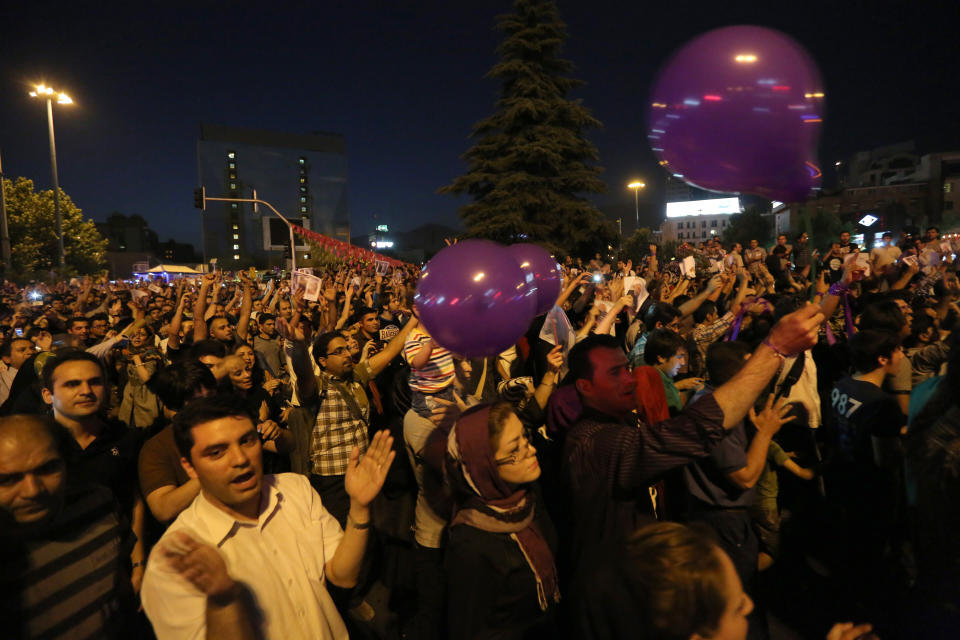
474	298
739	109
541	270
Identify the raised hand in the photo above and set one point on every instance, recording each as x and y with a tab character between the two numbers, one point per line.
365	476
202	565
797	332
772	417
555	359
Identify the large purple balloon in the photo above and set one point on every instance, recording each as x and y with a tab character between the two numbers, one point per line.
739	109
474	298
541	270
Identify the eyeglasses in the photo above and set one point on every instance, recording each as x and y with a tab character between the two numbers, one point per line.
523	449
341	351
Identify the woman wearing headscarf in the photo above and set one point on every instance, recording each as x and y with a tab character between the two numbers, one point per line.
501	578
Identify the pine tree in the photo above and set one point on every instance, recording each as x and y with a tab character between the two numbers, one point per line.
531	161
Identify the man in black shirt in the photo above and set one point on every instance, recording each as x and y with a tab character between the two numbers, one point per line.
861	409
103	451
861	480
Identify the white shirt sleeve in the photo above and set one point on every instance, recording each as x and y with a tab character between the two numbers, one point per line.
176	609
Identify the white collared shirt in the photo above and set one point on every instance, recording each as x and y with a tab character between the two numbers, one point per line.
7	374
280	559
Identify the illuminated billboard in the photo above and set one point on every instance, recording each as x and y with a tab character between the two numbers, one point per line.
714	207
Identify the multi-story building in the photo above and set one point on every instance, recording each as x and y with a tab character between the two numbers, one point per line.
698	220
893	185
128	233
303	175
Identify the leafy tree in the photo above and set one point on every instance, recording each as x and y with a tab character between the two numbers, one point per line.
32	225
637	245
749	225
531	161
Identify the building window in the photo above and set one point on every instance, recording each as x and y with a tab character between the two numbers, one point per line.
233	186
302	161
232	155
306	256
233	176
232	166
303	179
236	236
303	209
234	205
303	199
236	256
703	224
236	247
303	189
947	187
713	223
235	227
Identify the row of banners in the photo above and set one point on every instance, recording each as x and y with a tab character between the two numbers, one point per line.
343	250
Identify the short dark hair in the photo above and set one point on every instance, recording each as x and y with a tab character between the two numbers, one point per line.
213	319
99	316
662	312
666	582
661	343
64	356
362	311
7	347
322	342
208	348
779	249
724	360
867	346
75	319
581	368
882	315
704	310
266	317
204	410
177	384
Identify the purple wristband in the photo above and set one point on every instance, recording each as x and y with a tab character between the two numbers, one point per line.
769	345
838	289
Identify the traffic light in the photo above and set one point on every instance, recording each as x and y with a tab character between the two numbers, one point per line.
200	198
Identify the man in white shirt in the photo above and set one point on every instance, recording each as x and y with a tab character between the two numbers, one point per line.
12	356
884	255
250	557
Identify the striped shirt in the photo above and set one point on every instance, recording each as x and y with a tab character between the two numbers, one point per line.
437	374
68	581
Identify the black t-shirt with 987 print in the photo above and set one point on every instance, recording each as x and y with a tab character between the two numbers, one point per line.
862	410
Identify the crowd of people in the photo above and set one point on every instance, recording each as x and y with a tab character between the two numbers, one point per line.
719	445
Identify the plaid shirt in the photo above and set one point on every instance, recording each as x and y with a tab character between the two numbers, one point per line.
337	429
705	334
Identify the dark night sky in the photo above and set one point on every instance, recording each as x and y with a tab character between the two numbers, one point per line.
404	85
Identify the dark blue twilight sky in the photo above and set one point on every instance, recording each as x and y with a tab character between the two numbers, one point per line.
404	84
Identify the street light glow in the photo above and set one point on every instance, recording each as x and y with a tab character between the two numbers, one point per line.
43	91
746	58
636	184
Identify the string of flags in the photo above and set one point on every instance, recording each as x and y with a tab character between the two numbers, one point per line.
343	250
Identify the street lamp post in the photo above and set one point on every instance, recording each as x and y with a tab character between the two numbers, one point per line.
48	93
4	231
636	185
